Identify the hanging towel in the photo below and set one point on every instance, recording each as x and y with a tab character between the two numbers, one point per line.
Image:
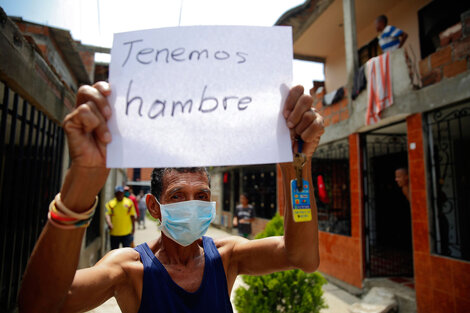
379	87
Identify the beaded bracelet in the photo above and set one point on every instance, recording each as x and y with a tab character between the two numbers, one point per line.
62	217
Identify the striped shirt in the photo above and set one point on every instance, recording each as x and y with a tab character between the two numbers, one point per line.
389	38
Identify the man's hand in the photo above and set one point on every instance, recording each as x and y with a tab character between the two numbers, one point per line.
87	136
303	121
86	128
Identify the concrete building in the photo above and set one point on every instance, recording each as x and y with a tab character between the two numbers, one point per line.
41	68
368	228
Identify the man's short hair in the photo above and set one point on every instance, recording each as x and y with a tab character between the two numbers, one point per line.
402	168
158	174
382	18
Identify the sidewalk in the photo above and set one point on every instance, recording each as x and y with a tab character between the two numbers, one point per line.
337	299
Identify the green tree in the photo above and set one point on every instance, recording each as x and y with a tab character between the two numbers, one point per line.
288	291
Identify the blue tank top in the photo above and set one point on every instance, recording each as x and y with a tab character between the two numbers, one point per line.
161	294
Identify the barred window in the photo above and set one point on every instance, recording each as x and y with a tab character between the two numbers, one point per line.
449	154
330	174
258	182
136	174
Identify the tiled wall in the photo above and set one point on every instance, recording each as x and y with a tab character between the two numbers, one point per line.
442	284
341	256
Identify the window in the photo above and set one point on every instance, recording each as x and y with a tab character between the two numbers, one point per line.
230	189
259	183
136	174
449	155
330	174
369	51
436	17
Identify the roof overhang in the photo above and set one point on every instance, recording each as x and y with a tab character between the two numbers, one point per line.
317	25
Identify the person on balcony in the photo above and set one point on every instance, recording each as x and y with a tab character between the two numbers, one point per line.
391	37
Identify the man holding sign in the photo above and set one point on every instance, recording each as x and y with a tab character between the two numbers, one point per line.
180	271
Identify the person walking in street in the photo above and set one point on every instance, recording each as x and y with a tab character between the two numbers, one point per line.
120	217
129	193
181	270
142	209
244	216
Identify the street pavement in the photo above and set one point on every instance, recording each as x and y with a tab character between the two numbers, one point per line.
337	299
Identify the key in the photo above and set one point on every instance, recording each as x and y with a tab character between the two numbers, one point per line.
299	162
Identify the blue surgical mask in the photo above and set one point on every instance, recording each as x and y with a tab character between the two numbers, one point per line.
185	222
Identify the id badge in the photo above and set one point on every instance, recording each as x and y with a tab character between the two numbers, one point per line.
300	201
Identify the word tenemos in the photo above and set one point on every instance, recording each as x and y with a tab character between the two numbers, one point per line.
148	55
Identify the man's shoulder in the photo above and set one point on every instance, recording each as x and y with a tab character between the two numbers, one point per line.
121	257
112	202
227	242
128	201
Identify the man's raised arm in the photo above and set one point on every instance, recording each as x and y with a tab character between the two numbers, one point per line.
298	248
54	260
301	237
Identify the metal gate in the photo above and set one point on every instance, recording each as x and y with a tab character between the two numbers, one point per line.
387	212
331	163
30	171
449	153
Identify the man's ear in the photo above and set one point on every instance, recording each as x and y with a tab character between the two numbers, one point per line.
153	206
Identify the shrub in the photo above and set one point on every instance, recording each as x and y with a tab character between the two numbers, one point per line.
288	291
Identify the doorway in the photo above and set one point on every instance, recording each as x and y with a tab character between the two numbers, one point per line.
387	210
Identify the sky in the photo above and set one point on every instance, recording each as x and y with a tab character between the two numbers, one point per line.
94	22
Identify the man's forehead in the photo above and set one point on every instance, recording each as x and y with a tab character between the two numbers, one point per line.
176	178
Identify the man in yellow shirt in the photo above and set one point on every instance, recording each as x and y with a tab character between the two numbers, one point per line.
120	217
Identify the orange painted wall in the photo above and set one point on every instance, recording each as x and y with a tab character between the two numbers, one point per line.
341	256
442	284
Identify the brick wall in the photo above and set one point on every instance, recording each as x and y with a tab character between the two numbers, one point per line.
442	284
452	57
334	113
258	225
145	174
88	59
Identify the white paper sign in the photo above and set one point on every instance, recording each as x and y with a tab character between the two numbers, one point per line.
200	96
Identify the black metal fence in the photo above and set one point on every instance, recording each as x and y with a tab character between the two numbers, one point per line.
449	164
330	174
30	172
386	209
258	182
